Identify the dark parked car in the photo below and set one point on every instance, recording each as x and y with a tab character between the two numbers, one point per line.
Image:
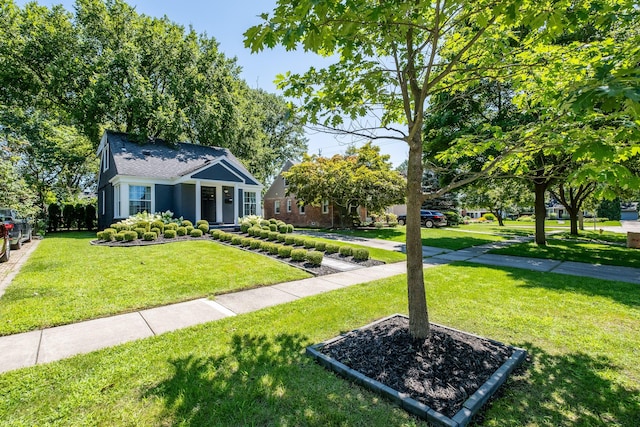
5	246
428	218
20	229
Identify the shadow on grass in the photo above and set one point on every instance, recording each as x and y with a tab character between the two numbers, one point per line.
77	235
564	390
455	243
260	380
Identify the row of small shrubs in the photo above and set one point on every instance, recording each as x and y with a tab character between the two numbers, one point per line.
281	250
151	230
258	223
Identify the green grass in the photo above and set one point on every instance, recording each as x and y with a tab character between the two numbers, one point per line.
446	238
581	336
589	247
375	253
67	280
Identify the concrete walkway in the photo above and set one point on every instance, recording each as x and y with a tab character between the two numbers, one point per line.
47	345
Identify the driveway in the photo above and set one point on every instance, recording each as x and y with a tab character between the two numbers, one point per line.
9	269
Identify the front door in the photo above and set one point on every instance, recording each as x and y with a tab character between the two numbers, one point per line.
208	204
228	212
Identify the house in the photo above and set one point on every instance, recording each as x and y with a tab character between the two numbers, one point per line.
193	181
279	205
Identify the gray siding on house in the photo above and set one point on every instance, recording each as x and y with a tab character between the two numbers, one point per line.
217	173
184	201
106	219
164	198
240	203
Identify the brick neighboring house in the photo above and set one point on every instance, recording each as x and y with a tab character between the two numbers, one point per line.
286	208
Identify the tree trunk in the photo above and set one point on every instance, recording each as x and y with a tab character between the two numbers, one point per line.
418	316
573	219
540	187
581	220
498	216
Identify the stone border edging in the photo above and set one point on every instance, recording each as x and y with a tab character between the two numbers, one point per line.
470	407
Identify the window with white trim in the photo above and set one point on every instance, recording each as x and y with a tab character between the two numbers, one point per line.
301	209
288	205
276	207
105	158
325	206
139	199
250	205
116	201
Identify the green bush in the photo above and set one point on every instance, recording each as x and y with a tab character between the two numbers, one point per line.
100	235
196	232
321	246
245	242
273	235
158	224
215	234
274	249
244	227
284	251
108	234
130	236
346	250
149	235
189	229
264	223
309	244
264	234
289	228
169	233
171	226
120	227
202	222
453	218
181	231
282	228
360	254
273	227
266	246
526	218
255	244
204	228
139	231
392	224
289	240
273	221
281	238
298	254
314	257
378	225
489	216
236	240
156	230
331	248
143	224
119	236
299	241
186	223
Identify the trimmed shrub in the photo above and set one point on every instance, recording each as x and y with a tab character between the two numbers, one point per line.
108	233
189	229
120	227
289	228
273	235
100	235
196	232
143	224
204	228
321	246
331	248
158	224
298	254
264	223
149	235
309	244
156	230
453	218
245	241
244	227
169	234
171	226
299	241
202	222
265	227
181	231
284	251
255	244
274	249
264	234
139	231
489	216
228	237
266	246
346	250
215	234
236	240
289	240
360	254
392	224
273	221
273	227
378	225
282	228
119	236
314	257
130	236
186	223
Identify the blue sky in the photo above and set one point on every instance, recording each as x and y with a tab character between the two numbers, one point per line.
226	21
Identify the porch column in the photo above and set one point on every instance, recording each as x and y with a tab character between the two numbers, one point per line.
235	204
258	202
124	200
219	202
198	201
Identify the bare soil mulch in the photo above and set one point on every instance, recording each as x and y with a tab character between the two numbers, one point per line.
442	372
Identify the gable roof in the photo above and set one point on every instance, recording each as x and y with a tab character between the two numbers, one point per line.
157	159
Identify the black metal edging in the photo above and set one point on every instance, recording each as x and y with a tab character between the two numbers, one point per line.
470	407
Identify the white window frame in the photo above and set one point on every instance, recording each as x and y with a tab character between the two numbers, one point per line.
249	203
105	158
288	205
276	207
117	206
325	206
149	200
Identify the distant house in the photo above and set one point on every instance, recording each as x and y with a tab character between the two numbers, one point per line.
193	181
279	205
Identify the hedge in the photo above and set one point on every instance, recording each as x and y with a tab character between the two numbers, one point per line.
360	254
346	250
321	246
169	233
149	235
298	254
284	251
314	257
331	248
196	232
181	231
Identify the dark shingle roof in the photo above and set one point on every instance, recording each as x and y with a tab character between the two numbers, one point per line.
157	159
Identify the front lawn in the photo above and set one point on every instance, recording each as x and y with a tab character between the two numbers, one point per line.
589	247
446	238
67	280
251	369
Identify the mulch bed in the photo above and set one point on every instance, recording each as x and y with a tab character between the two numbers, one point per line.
367	263
441	373
139	242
